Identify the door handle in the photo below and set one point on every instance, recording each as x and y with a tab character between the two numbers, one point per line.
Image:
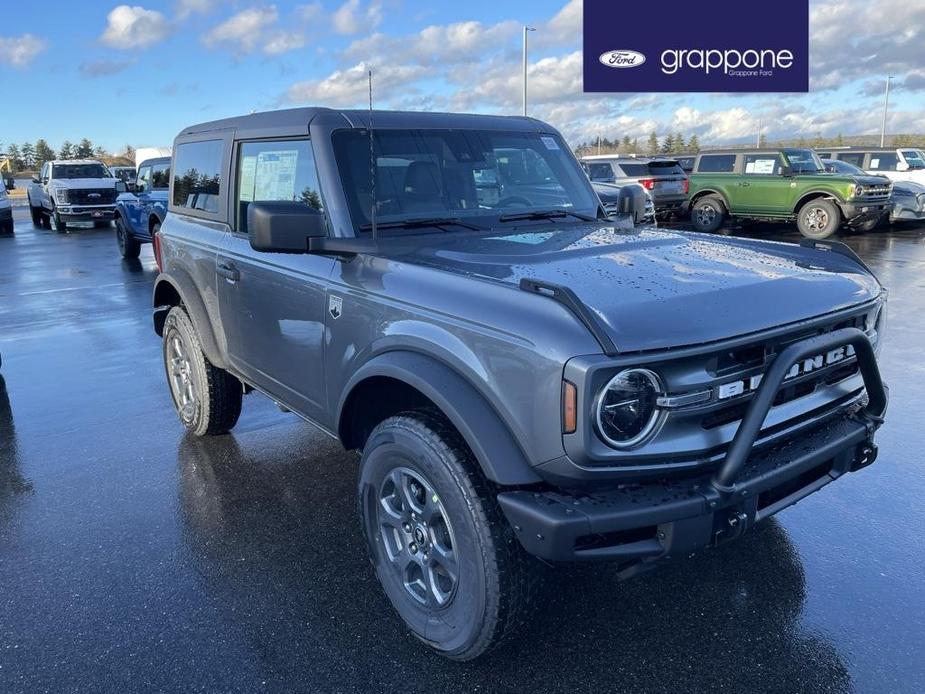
229	271
745	184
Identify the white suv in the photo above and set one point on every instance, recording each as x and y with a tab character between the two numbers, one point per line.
6	213
899	164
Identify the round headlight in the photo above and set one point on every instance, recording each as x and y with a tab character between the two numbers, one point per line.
858	191
626	413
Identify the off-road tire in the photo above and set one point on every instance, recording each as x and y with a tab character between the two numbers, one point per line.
868	225
818	219
496	578
708	214
7	228
215	404
129	248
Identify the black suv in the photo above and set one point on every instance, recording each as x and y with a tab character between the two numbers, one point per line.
523	376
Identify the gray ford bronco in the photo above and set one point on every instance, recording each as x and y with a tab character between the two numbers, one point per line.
524	378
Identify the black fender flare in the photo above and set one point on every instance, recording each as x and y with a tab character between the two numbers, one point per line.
178	284
709	191
494	446
813	194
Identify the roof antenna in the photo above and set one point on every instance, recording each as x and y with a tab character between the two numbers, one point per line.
372	161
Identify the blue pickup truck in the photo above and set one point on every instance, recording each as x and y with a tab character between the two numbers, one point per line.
140	211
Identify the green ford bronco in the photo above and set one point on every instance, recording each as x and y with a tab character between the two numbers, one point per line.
783	184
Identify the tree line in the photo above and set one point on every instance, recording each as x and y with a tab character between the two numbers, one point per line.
30	156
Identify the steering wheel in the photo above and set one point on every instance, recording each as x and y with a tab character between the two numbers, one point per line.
513	201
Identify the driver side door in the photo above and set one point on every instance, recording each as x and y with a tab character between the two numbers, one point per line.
273	305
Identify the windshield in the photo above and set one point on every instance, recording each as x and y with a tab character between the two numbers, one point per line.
80	171
843	167
914	158
803	161
475	175
124	173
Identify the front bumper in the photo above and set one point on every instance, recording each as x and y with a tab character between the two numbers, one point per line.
640	524
87	213
858	212
912	212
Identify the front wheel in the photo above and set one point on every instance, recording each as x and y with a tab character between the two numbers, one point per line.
6	228
868	225
36	213
442	550
129	248
207	398
707	214
57	223
818	219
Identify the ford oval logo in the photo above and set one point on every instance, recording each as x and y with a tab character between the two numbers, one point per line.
622	59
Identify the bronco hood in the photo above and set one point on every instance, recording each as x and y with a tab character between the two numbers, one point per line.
654	288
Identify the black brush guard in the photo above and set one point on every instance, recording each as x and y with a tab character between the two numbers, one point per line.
640	524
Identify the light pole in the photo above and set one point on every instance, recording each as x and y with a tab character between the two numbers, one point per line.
886	106
758	141
526	29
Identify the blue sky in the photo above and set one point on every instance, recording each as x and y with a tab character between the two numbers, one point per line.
138	73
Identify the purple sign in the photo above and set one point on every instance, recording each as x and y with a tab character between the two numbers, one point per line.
702	46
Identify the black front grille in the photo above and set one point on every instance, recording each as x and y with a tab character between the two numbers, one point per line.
91	196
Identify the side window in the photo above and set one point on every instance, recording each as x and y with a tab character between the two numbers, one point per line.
279	170
143	184
45	169
768	164
856	158
197	179
883	161
600	172
160	177
717	163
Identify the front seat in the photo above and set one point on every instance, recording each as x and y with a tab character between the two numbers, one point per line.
423	189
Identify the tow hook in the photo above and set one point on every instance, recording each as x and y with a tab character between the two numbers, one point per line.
865	454
730	528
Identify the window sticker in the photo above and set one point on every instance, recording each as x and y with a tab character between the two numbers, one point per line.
275	175
764	166
550	142
875	163
248	174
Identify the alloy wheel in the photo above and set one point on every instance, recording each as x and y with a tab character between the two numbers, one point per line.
418	537
706	214
182	383
816	219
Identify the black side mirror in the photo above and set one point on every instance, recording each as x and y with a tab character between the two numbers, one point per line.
786	170
35	179
283	227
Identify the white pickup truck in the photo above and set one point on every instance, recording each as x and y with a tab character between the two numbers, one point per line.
75	190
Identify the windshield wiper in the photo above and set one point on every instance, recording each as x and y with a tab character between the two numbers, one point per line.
544	214
426	222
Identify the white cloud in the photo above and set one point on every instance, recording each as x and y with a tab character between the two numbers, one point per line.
311	12
352	18
185	8
131	27
283	42
103	68
19	51
349	87
565	27
254	28
451	43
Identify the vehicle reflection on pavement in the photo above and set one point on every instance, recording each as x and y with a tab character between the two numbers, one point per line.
12	483
274	536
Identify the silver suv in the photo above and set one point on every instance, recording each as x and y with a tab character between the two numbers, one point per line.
664	179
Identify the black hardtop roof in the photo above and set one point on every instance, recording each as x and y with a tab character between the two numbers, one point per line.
860	148
298	119
747	150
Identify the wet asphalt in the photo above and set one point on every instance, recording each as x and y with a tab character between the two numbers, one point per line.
136	559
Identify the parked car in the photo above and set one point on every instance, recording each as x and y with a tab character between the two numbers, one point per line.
141	210
73	190
783	184
126	174
908	198
610	196
686	162
520	379
6	213
897	164
663	178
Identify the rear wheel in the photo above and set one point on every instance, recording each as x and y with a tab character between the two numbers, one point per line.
207	398
707	214
129	247
818	219
868	225
442	550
